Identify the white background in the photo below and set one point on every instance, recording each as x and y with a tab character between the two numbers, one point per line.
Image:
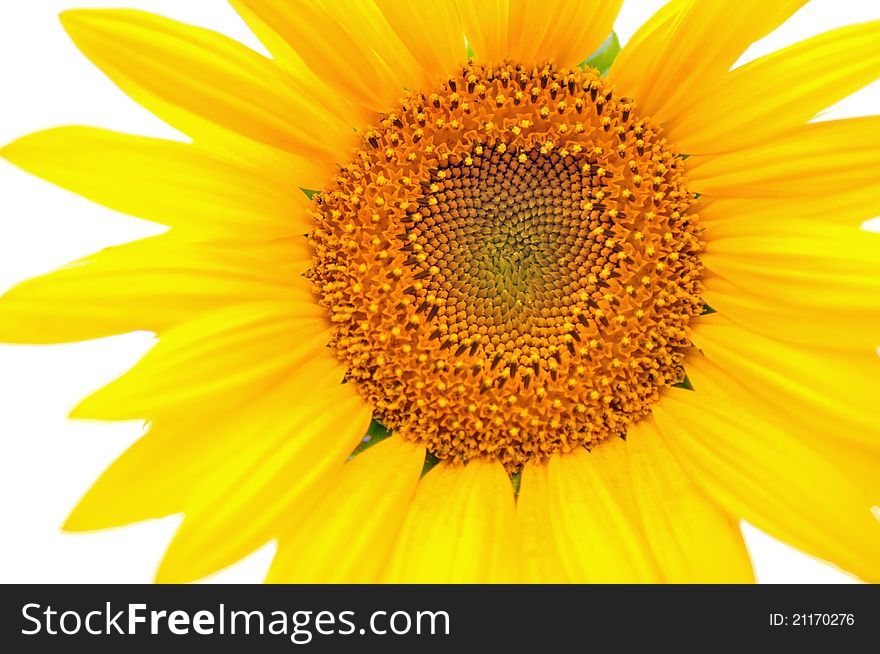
47	461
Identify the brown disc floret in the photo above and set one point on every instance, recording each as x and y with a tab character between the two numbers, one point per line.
509	264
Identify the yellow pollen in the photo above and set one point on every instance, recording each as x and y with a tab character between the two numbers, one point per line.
509	264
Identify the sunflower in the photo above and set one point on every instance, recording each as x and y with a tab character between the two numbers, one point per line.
588	314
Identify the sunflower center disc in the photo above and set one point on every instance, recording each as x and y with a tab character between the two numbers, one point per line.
509	264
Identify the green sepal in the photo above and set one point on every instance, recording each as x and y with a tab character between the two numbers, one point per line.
685	384
515	480
430	462
605	55
375	434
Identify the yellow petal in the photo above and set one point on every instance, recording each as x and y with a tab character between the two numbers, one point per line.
735	217
195	79
828	267
347	43
681	54
560	31
799	281
531	31
765	473
289	256
594	519
233	353
348	535
826	397
786	324
152	479
151	284
773	94
834	391
168	182
296	451
485	25
459	529
829	157
693	540
165	470
432	30
304	78
540	562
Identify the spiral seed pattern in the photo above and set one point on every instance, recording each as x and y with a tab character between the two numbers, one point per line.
509	264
